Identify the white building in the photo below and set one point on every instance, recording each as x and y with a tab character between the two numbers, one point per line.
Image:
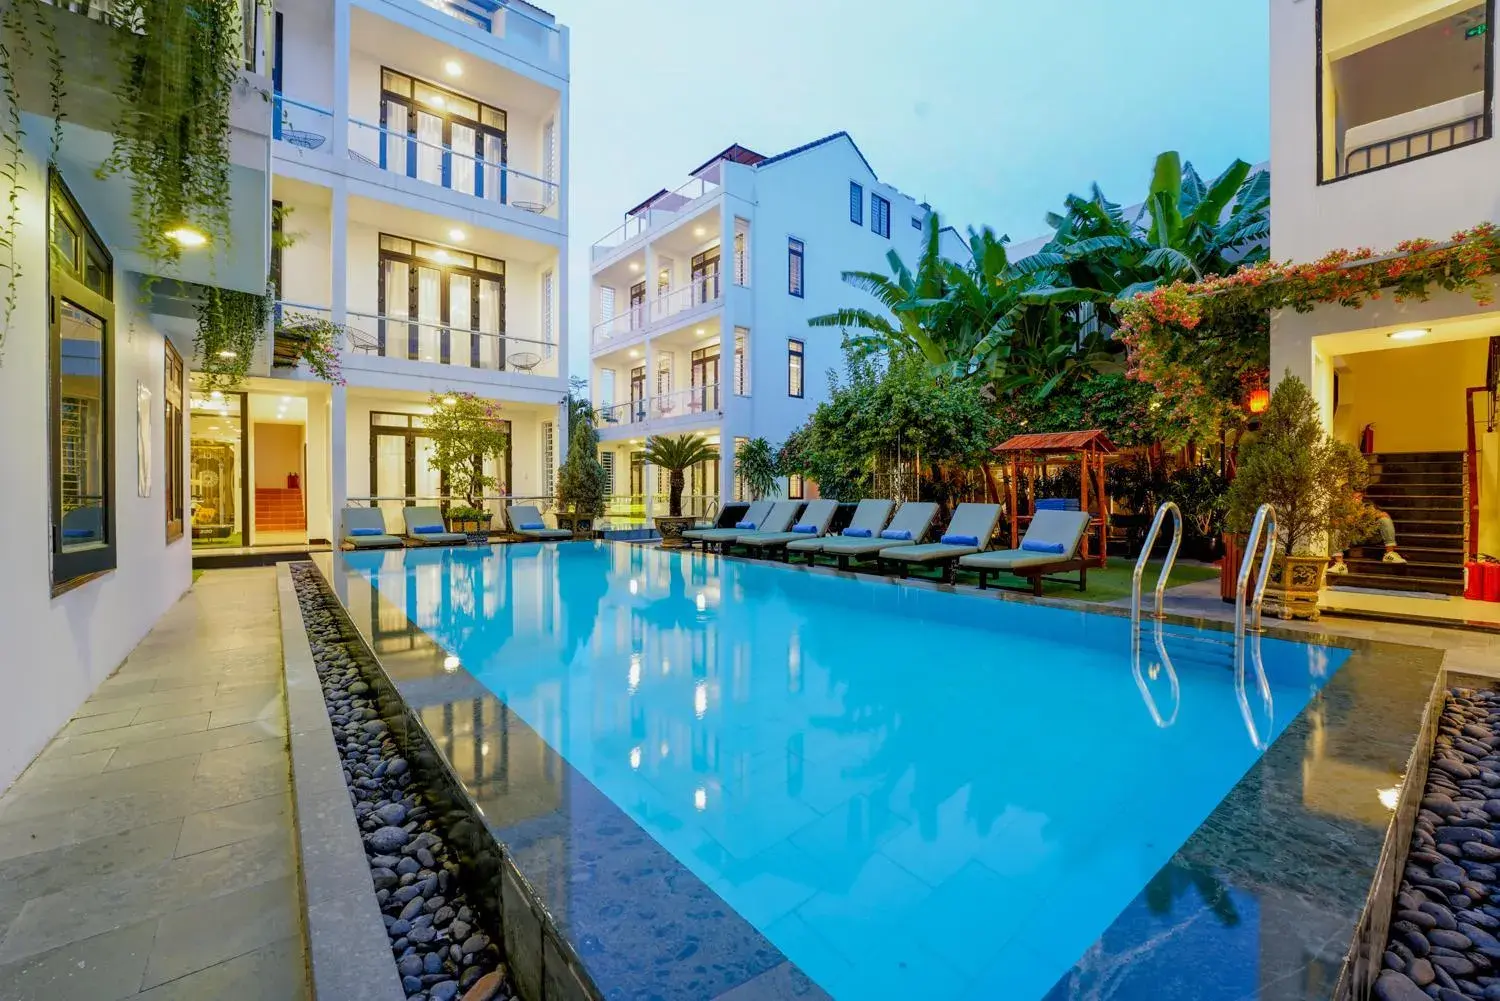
1382	125
700	300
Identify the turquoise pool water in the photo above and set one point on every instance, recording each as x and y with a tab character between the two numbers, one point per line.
902	789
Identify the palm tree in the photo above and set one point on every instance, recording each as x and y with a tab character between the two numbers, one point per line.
676	455
755	464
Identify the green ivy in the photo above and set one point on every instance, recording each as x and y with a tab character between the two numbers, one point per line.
230	327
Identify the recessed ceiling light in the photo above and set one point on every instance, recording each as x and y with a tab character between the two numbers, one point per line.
634	353
1410	335
699	231
457	235
701	332
634	266
453	67
187	236
226	353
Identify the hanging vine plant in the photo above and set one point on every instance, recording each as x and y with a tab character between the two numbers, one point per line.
180	63
230	326
313	341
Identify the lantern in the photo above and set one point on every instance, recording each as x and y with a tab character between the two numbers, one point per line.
1260	400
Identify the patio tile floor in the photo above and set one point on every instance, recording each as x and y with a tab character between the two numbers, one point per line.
148	851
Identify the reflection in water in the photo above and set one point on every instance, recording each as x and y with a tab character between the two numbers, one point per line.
1162	664
869	752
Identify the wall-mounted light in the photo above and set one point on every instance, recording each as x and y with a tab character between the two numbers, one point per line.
1415	333
187	236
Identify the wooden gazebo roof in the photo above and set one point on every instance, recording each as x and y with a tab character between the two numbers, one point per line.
1058	442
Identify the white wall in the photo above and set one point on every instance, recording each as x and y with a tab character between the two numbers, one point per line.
57	650
307	51
1432	197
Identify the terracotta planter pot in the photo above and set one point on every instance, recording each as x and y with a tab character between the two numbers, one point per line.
671	528
1292	591
1229	569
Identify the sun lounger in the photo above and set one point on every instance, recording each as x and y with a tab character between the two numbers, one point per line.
968	532
908	528
424	527
755	516
777	521
364	528
526	522
870	516
812	525
1052	544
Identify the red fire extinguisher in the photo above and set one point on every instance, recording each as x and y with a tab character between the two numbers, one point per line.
1473	580
293	481
1367	440
1490	573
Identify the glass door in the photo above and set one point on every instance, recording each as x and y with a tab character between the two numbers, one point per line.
706	277
638	394
705	379
216	431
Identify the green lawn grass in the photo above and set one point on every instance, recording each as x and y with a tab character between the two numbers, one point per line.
1104	585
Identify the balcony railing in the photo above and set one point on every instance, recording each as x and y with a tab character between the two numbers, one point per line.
374	335
662	210
1414	144
698	292
515	28
308	127
689	402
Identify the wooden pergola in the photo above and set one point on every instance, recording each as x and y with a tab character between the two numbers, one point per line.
1036	453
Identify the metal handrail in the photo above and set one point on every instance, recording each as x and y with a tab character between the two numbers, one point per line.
1166	567
1258	530
1262	686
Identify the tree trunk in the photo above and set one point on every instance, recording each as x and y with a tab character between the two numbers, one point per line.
674	499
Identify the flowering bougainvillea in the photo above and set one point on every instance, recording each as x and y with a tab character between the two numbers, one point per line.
1204	345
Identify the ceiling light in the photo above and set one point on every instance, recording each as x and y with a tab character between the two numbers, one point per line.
1410	335
187	236
226	353
453	67
634	353
635	266
213	427
457	235
699	231
700	332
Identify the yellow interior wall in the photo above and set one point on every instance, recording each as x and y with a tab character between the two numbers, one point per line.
1413	395
1351	25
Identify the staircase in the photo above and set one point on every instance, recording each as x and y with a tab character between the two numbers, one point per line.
279	510
1423	492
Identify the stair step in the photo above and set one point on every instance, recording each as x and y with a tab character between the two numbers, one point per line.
1416	468
1414	553
1388	490
1400	584
1411	568
1417	456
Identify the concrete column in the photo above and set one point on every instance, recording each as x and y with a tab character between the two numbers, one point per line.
338	459
340	81
650	269
726	466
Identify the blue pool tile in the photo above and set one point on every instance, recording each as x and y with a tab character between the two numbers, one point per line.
969	919
855	828
770	885
866	909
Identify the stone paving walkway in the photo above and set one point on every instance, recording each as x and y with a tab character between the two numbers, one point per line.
148	852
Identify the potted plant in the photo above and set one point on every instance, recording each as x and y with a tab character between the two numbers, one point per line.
675	455
465	431
582	483
1311	481
755	465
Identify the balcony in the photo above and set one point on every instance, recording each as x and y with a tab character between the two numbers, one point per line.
371	335
702	293
658	211
528	36
306	128
693	402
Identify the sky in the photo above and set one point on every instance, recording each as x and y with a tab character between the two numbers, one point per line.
990	110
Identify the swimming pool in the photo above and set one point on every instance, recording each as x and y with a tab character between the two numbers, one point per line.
901	789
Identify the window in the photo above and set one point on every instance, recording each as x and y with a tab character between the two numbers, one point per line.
607	460
441	137
794	267
741	375
549	457
880	216
441	305
606	303
916	222
81	400
794	368
856	204
1398	89
549	160
795	488
549	337
173	390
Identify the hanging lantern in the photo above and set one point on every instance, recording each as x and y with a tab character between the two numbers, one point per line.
1259	401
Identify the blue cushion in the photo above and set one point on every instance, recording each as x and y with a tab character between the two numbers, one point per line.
805	529
78	533
898	534
1042	547
960	540
745	524
530	526
858	533
427	529
362	532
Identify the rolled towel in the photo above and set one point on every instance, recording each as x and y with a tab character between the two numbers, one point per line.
858	533
531	526
748	525
1042	547
960	540
896	534
427	530
805	529
364	532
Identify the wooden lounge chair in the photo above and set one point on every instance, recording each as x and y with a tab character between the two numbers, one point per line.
1052	544
526	522
364	528
424	527
870	516
812	524
968	532
908	528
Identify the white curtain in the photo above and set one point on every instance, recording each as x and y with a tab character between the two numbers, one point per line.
430	312
463	158
490	322
395	137
429	148
460	323
397	308
494	166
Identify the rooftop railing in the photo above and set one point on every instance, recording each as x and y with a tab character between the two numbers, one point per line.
662	210
532	37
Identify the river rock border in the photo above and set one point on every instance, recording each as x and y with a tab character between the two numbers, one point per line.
436	943
1445	929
